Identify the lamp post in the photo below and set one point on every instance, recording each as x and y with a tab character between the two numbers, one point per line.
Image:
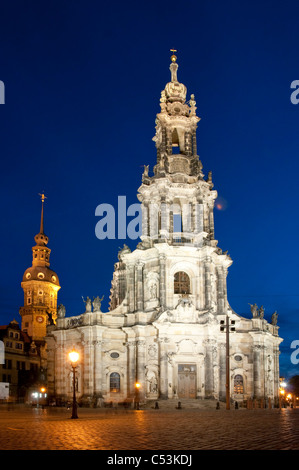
137	387
227	328
74	357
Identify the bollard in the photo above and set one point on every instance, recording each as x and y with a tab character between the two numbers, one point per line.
217	405
156	405
179	407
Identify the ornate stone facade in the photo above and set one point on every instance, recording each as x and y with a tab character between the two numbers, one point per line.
168	296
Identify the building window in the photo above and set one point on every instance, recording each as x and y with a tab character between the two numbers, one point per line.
114	382
181	283
238	384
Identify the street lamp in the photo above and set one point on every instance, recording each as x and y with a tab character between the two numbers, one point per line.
227	328
74	357
137	387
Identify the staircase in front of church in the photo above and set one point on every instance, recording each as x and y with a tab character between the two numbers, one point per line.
184	404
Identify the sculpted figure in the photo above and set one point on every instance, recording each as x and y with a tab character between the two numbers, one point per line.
254	310
87	304
274	318
61	311
97	302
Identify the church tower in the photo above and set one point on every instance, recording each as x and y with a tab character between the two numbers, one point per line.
168	299
40	285
177	217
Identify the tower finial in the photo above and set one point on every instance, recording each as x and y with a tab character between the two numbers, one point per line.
173	57
43	197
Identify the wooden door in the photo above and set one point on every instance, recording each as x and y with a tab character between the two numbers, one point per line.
187	381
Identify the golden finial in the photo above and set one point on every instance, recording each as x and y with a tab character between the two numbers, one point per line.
173	57
43	197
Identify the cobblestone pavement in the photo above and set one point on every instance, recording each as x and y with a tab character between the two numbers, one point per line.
109	429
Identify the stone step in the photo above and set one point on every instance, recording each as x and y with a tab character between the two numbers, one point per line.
183	403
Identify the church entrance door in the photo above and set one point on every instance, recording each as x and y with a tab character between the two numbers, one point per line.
187	381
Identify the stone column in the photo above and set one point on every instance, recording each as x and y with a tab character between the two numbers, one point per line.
162	287
222	371
194	144
164	219
169	141
131	368
61	370
88	385
139	277
131	288
207	265
97	345
145	219
198	217
188	143
140	367
220	293
257	393
209	374
211	222
163	385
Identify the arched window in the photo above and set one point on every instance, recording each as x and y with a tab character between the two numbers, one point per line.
114	382
181	283
238	384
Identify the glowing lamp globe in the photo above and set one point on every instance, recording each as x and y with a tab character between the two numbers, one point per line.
74	357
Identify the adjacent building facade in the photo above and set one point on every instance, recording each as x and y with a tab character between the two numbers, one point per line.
165	328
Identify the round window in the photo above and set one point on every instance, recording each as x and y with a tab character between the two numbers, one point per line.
41	275
238	358
114	355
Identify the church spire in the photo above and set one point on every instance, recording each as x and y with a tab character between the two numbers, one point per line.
43	197
41	239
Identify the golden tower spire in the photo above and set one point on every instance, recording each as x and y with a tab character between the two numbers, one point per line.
43	197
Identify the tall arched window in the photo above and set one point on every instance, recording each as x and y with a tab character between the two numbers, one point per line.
238	384
114	382
181	283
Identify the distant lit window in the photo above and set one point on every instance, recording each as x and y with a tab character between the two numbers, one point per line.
114	382
181	283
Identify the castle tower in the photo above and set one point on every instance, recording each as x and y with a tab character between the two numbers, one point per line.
40	285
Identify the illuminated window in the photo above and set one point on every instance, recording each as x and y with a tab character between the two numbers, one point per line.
181	283
238	384
114	382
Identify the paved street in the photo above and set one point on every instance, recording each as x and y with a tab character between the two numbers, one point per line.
109	429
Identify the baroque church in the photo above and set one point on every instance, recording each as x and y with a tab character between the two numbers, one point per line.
169	315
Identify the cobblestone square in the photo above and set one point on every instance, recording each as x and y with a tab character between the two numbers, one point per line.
24	428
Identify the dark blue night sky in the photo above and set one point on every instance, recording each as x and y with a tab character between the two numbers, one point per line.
82	89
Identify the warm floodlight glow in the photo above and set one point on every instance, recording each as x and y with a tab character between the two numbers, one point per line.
137	385
74	356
